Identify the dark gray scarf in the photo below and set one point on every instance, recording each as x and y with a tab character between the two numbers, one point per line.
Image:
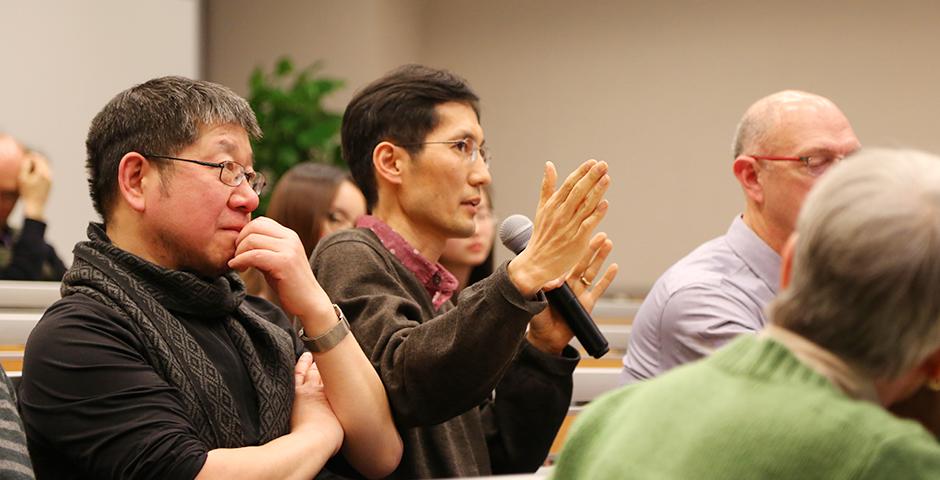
156	300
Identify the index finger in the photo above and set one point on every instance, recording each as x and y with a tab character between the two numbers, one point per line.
549	177
263	226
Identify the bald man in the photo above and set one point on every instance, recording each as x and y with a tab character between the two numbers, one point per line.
24	254
783	143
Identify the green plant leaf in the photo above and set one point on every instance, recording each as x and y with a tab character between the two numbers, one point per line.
284	67
288	104
256	81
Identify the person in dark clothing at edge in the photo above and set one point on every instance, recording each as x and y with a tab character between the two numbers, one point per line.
155	363
414	145
25	176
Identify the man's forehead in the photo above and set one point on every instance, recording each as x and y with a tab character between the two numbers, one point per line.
231	139
458	119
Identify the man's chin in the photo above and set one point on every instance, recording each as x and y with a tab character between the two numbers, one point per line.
207	272
465	231
210	269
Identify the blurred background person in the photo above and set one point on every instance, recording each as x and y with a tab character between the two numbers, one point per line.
314	200
24	253
471	259
856	328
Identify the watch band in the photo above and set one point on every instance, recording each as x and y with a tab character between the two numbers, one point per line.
330	338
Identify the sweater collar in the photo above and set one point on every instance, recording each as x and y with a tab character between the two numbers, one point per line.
848	379
439	283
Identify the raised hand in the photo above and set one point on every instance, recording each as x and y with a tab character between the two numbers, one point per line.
35	181
563	225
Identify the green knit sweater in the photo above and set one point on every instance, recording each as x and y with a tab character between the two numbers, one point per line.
751	410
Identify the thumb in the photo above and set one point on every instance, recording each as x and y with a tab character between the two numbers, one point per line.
558	282
300	370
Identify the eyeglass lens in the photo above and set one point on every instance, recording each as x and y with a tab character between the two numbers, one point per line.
234	174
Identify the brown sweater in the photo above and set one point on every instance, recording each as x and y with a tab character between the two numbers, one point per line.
441	367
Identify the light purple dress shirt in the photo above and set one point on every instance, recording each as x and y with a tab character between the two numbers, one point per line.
712	295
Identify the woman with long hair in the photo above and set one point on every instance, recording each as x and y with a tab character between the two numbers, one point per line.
314	200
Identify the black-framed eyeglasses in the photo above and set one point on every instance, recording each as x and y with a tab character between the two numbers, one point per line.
230	173
816	165
467	147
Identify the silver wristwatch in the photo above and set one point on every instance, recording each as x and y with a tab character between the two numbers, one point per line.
330	338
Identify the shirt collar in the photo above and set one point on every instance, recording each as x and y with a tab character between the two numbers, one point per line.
848	379
756	254
439	283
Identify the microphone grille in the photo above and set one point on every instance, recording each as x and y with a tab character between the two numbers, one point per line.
515	231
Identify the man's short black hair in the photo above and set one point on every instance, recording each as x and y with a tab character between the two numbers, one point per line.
160	117
398	107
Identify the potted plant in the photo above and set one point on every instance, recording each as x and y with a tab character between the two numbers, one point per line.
296	126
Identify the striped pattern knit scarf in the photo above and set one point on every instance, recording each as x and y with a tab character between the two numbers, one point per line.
157	300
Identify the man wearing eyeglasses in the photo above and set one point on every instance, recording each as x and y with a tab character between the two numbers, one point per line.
155	363
415	146
24	253
783	144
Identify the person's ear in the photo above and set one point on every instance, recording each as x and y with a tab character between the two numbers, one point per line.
387	159
133	181
786	260
746	170
931	369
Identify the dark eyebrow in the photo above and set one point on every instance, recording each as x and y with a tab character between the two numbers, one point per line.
465	134
229	147
226	145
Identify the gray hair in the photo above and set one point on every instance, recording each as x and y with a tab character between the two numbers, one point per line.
161	117
866	270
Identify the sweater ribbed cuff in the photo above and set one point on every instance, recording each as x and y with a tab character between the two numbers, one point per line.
512	294
555	365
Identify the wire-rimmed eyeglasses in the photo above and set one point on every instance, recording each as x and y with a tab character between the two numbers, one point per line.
816	165
230	173
467	147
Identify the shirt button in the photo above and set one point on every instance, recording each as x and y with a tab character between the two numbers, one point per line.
436	279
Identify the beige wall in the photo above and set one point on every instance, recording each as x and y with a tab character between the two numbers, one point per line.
357	40
654	88
62	61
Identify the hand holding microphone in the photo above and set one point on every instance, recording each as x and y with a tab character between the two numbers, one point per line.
515	232
561	235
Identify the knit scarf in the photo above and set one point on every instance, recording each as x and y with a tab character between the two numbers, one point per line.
156	301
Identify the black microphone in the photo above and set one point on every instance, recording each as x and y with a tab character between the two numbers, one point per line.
515	232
